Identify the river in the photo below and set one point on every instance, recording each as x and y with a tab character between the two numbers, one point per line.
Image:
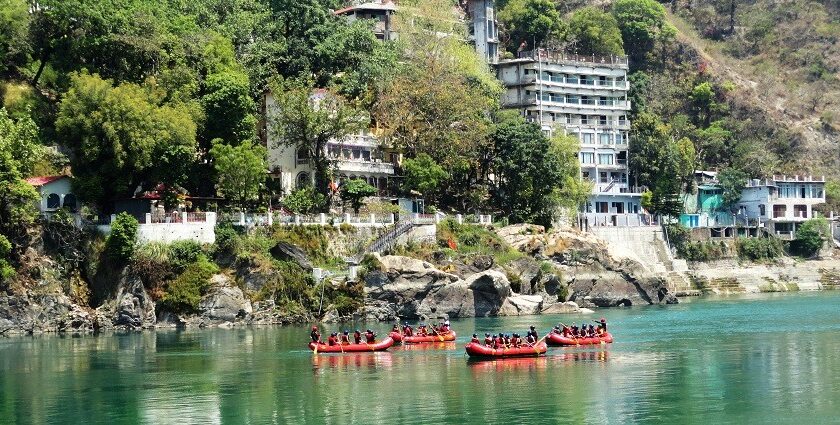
742	359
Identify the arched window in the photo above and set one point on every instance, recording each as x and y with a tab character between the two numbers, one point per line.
53	201
70	202
302	180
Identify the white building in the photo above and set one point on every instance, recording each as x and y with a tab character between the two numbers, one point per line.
480	14
483	28
585	97
782	203
55	192
380	11
360	155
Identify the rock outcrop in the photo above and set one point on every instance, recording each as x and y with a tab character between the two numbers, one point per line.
595	273
224	302
287	252
134	308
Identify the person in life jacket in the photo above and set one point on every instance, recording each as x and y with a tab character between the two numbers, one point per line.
315	335
332	340
370	336
514	341
421	329
446	327
345	337
475	340
566	331
556	330
488	341
507	340
530	339
500	342
591	330
396	328
532	332
357	337
602	325
407	330
575	331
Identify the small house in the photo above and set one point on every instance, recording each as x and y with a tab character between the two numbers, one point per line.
55	192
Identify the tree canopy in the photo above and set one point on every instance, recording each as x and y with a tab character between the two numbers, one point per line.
595	32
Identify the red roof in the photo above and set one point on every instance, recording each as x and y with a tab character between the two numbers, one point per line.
42	180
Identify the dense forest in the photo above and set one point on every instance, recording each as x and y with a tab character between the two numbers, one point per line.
140	93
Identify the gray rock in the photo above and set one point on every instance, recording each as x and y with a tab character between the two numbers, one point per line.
568	307
519	305
134	307
224	302
287	252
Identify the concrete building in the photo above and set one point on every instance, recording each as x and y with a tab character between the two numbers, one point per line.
782	203
55	192
380	11
483	28
360	155
584	97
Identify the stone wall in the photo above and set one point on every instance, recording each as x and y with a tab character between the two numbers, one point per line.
787	275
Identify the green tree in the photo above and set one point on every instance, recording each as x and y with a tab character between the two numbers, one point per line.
18	152
531	22
240	170
424	175
732	181
354	191
811	236
305	120
229	108
121	137
642	24
528	172
6	269
14	24
304	200
595	32
122	239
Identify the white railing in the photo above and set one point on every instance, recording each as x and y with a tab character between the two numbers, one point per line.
618	220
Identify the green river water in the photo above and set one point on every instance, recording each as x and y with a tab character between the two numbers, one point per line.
746	359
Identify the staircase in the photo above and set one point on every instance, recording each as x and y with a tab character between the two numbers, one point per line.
383	242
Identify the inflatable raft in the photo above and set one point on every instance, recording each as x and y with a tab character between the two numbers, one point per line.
558	339
415	339
352	348
483	351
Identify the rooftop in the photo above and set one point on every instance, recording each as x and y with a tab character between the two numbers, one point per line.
386	5
42	180
560	57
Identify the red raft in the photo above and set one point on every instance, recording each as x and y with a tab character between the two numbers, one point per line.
449	336
555	339
478	350
352	348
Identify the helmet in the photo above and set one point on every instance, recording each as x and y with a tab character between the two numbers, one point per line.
314	328
486	334
603	320
346	332
532	327
475	336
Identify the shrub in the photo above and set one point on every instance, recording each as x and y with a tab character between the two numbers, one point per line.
121	240
304	201
810	237
6	270
183	253
759	249
184	293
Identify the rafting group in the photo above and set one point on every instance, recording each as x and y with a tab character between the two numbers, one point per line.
493	346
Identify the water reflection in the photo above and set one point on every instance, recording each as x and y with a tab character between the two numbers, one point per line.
768	364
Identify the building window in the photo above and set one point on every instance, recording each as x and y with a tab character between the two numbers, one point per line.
602	207
762	210
602	177
70	202
606	159
302	155
618	207
587	157
800	211
606	138
53	201
587	138
302	180
779	211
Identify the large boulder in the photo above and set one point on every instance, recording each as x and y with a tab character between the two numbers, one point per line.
519	305
35	313
287	252
133	307
224	301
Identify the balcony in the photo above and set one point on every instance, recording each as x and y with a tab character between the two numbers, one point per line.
346	166
560	57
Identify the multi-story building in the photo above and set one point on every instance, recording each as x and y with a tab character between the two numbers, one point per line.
483	28
782	203
380	11
584	97
357	156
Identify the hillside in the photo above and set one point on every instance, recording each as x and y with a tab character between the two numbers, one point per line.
784	59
